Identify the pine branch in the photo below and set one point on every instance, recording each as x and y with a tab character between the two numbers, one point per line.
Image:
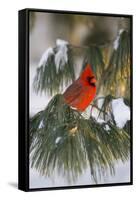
95	58
50	80
61	139
105	111
118	69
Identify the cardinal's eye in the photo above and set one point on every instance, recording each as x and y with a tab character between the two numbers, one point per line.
92	77
93	84
88	78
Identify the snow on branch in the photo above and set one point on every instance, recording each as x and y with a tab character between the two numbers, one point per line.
55	69
117	112
116	41
121	112
61	56
44	59
57	140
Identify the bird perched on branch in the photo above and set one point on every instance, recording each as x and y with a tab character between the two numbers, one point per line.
81	92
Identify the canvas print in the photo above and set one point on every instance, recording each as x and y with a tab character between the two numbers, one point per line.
80	99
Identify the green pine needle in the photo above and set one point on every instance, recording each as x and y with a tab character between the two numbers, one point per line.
118	70
95	58
51	81
62	140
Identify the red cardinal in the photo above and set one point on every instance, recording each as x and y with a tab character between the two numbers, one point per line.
80	93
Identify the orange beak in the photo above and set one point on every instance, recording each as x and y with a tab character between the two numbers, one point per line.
93	80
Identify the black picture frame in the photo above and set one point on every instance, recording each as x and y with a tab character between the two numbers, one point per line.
23	139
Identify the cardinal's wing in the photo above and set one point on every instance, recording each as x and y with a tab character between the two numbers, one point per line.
73	92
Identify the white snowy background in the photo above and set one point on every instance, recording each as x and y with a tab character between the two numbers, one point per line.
40	48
